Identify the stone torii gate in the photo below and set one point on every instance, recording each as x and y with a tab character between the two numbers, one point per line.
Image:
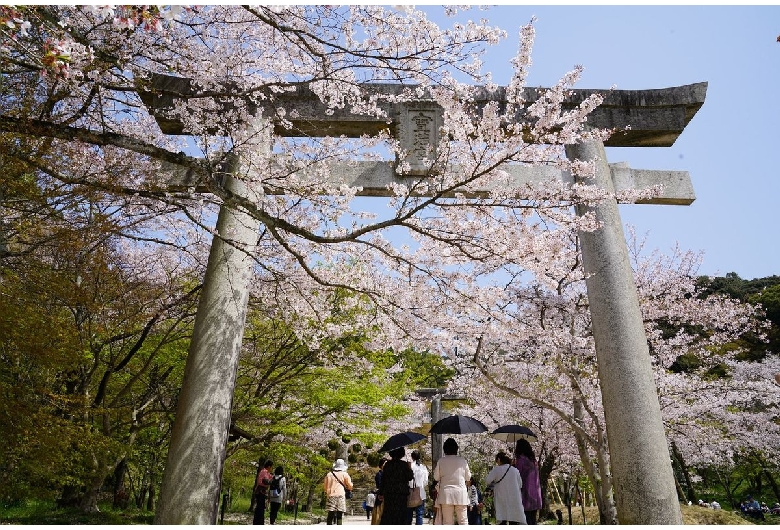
644	486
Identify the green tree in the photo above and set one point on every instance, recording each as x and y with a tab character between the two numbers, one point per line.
92	332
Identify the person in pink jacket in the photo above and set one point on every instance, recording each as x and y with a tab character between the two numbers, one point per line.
525	462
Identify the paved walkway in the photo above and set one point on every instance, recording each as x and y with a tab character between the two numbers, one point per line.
360	520
352	520
356	520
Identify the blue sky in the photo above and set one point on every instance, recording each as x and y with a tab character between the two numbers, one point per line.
730	147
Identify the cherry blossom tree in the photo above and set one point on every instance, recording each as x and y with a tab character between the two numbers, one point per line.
538	352
76	75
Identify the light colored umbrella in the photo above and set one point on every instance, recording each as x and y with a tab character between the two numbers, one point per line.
513	433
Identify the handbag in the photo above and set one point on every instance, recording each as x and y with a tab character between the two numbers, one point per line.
489	487
414	499
347	492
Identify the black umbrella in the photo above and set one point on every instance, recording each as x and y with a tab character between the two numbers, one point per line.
513	433
458	424
402	439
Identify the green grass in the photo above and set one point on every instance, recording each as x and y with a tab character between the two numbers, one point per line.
692	515
239	514
45	512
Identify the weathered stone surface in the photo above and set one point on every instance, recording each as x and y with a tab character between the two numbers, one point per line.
193	470
419	124
656	117
643	479
639	459
376	177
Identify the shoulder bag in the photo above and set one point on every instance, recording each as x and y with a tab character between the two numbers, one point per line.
415	499
347	492
489	487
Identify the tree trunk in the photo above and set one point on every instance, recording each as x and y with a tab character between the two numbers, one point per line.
150	498
121	496
140	498
88	503
773	484
725	480
607	510
677	457
69	498
598	476
310	495
253	500
545	469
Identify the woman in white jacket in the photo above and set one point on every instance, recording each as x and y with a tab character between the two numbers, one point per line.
505	481
276	493
452	474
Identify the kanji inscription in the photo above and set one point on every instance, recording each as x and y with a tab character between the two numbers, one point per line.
418	128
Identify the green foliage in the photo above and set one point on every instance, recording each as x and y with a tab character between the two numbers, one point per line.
423	369
718	371
685	363
763	291
749	347
734	286
769	298
286	390
47	513
88	359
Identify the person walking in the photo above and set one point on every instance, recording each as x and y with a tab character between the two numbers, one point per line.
505	481
376	515
452	473
336	484
420	481
262	483
394	490
475	502
277	491
370	500
525	462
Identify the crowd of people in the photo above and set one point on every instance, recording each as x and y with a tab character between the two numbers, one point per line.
402	489
749	507
752	508
400	494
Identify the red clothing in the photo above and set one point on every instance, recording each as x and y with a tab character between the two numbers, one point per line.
264	479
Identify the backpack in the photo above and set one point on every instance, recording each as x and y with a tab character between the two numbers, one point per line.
274	487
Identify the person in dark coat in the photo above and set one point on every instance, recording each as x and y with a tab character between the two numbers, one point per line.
394	490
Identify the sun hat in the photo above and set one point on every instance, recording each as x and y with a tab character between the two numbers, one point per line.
339	465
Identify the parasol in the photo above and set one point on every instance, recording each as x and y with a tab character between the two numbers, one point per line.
458	424
402	439
513	433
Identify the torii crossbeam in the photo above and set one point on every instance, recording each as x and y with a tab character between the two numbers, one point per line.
642	475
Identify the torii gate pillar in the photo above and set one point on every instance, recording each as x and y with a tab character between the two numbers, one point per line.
642	473
203	411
